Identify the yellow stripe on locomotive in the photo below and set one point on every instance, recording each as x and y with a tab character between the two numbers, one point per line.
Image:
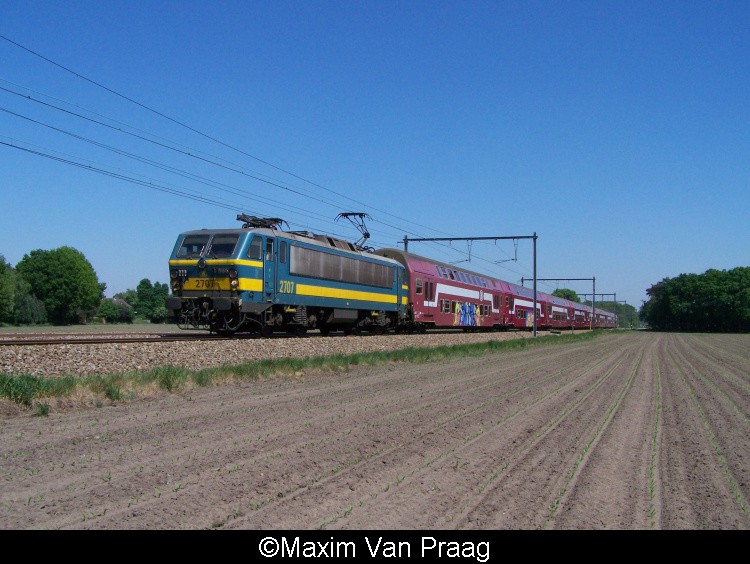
343	294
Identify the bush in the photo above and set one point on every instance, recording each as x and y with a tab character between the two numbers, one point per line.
115	311
159	315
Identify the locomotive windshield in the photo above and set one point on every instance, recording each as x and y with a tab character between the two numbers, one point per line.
222	246
192	246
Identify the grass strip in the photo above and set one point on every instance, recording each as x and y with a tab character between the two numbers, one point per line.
26	389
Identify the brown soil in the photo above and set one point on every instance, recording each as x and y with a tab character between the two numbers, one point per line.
629	431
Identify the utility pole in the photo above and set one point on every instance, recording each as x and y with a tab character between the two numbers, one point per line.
514	237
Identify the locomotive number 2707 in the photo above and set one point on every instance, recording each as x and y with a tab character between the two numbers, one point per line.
205	283
286	287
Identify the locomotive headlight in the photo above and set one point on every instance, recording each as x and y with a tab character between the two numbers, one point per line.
234	283
176	286
173	275
233	274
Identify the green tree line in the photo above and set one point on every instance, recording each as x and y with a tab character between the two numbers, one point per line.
717	300
60	286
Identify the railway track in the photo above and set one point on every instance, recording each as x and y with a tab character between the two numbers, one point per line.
46	339
43	340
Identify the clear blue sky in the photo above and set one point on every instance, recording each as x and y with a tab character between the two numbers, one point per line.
618	132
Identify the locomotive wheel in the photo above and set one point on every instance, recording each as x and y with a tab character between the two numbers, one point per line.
325	330
299	330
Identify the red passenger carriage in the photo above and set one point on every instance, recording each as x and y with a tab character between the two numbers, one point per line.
442	295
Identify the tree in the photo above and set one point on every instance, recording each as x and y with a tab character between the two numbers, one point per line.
29	310
717	300
64	281
150	298
567	294
130	297
17	303
7	290
144	291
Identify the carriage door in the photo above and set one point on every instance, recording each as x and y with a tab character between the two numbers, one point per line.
270	270
429	295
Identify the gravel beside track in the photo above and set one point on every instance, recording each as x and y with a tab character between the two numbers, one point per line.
92	359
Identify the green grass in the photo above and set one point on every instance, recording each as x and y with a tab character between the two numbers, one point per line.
27	389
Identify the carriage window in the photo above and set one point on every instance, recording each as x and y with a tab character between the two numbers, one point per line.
255	250
419	286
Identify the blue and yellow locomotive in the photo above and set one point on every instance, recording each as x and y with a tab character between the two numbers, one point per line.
261	279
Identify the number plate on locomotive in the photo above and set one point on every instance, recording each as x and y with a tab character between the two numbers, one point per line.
202	284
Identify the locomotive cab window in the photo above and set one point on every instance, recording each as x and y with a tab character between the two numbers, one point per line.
192	246
222	246
282	252
269	249
255	250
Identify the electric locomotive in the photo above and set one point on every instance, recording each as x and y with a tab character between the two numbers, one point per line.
261	279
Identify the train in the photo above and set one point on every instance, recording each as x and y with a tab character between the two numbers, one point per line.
262	279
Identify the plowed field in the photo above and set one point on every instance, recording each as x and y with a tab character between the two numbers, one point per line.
627	431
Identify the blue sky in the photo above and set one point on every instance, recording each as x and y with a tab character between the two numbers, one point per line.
618	132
